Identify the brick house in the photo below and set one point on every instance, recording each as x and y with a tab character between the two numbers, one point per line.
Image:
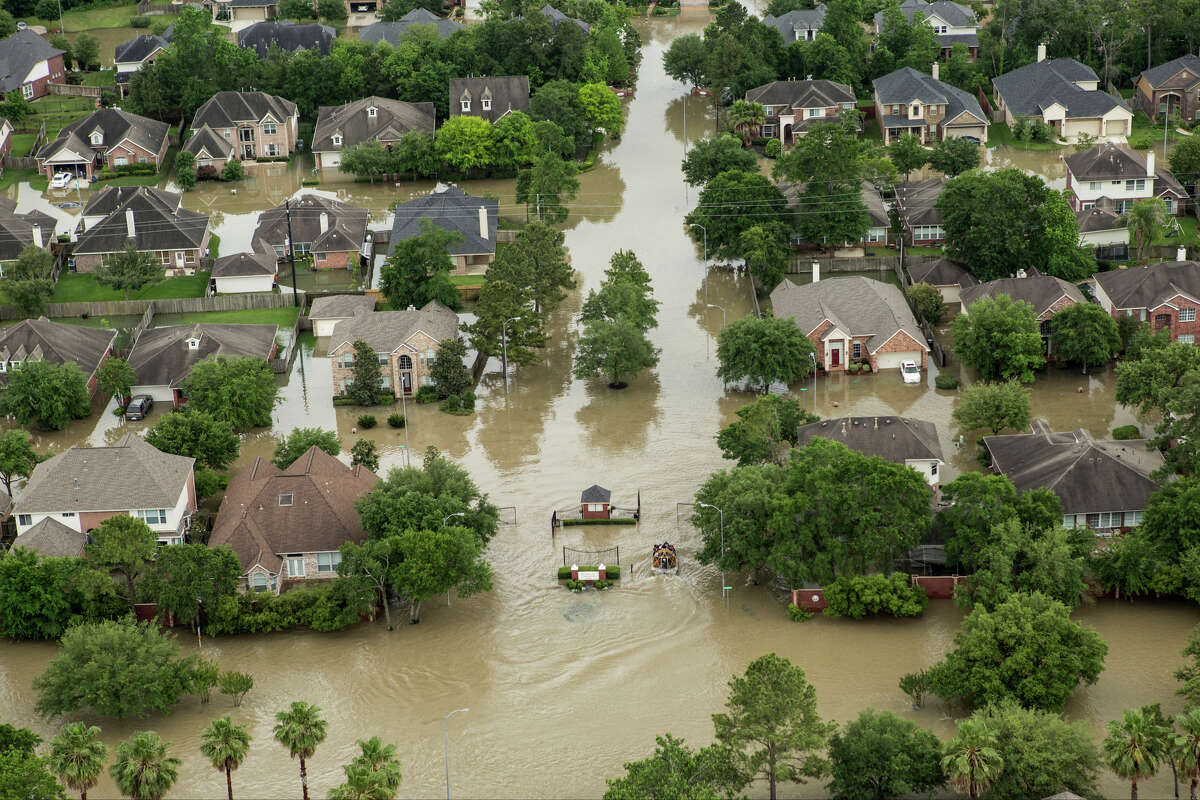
30	64
792	106
853	320
1175	84
131	56
371	119
332	232
949	277
1103	485
489	97
908	101
900	440
953	23
405	342
475	219
105	139
152	220
1167	295
287	526
256	124
162	358
916	206
83	486
1046	294
42	339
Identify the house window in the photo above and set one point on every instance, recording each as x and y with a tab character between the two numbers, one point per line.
258	582
1133	519
320	256
928	232
940	29
164	256
814	112
1094	186
327	562
1186	338
346	359
405	362
152	516
487	103
269	129
1104	520
226	132
278	248
770	131
245	134
595	506
120	161
14	364
1068	521
285	499
1187	315
170	540
27	91
66	514
383	359
3	366
303	247
876	234
295	567
856	349
371	112
465	106
24	519
933	468
337	140
272	150
1086	206
1135	185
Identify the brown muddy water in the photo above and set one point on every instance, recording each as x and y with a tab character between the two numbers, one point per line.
563	688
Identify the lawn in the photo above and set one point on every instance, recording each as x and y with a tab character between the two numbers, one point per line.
887	252
283	317
129	180
78	20
1000	134
1146	134
104	77
468	280
22	144
57	112
1187	235
85	288
37	181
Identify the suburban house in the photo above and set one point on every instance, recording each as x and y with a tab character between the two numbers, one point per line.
18	231
244	272
42	339
290	36
332	232
393	32
558	17
907	101
1167	295
853	320
1101	226
1103	485
452	209
288	525
953	24
1062	93
800	25
131	56
880	223
489	97
162	358
946	275
211	151
1123	176
150	219
29	64
1045	293
105	139
52	539
916	205
257	124
371	119
406	342
1175	84
326	312
83	486
241	13
900	440
792	106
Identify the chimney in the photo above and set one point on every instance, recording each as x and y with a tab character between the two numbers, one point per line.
1150	165
129	226
1181	253
324	221
877	423
1041	52
816	271
37	236
483	222
935	70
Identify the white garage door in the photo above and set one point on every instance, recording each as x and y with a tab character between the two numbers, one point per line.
331	159
892	360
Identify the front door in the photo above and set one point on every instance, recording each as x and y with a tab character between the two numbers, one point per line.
835	355
179	258
248	151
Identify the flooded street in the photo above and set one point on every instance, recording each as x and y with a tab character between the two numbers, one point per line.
564	688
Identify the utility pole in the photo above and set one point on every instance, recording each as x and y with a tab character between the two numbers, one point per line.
287	210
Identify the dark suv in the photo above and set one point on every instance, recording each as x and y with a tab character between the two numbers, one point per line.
139	407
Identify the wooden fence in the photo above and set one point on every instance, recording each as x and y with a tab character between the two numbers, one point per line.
280	364
183	305
146	322
73	90
27	162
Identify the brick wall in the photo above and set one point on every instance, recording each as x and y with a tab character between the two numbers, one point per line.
1176	327
809	599
419	342
901	343
339	260
1057	306
92	519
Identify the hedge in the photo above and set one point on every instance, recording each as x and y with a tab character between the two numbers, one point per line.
865	595
611	521
1126	432
945	381
331	607
613	573
386	398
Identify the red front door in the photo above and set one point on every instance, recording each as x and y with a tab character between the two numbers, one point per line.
835	356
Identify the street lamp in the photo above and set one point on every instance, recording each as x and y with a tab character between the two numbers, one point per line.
722	513
448	516
446	745
714	305
504	350
701	227
813	356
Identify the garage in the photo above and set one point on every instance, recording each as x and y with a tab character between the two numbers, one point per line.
892	360
331	158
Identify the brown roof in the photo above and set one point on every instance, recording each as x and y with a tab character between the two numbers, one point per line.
895	439
370	119
54	342
164	357
242	264
1106	162
1040	291
329	225
942	272
52	538
341	306
1150	287
321	517
387	331
916	201
857	305
506	92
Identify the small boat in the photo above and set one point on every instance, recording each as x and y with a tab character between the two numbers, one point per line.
664	560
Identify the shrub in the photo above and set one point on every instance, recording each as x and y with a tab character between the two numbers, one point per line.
458	405
207	172
875	594
612	521
396	420
575	586
367	421
853	367
774	148
1126	432
236	685
798	614
865	366
602	585
426	394
233	171
329	607
310	182
612	573
945	381
916	685
139	22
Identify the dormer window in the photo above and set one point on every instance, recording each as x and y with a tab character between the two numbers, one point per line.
193	343
337	140
487	103
97	138
466	106
372	112
285	499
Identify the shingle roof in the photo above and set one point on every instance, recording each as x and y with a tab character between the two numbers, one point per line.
895	439
1165	181
858	306
1149	287
226	109
19	54
108	199
557	16
16	231
451	209
948	40
595	494
1096	218
387	331
1106	162
876	211
162	356
1088	475
55	343
393	31
321	517
917	201
157	225
206	140
286	36
139	48
341	306
114	125
1031	89
244	264
802	94
806	19
354	123
942	272
51	538
129	475
507	92
907	84
1157	76
951	13
345	226
1040	291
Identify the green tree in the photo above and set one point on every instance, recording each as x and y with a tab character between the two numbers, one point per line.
733	202
558	102
615	349
46	395
115	668
77	756
1185	159
464	143
550	137
25	774
908	154
537	264
379	761
239	391
831	162
954	156
32	262
514	142
1000	338
762	351
28	285
143	770
766	251
624	292
505	325
225	745
765	430
185	171
687	58
418	268
676	772
1023	558
298	442
186	577
1146	220
15	107
394	10
367	381
548	186
1164	378
449	372
196	434
1189	673
1084	333
235	684
116	377
44	594
708	158
747	119
367	160
993	407
602	109
771	724
129	270
435	561
1136	746
233	171
17	458
124	545
365	453
1185	749
880	756
370	563
972	760
300	729
295	9
331	10
86	51
928	302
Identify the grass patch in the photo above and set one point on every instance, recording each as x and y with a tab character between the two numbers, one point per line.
283	317
1186	235
1146	134
214	246
566	523
1001	134
104	77
872	131
82	20
57	112
85	288
468	280
22	144
130	180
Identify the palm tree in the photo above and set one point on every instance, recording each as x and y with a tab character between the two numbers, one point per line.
1186	748
77	756
143	770
1135	747
361	784
972	762
300	729
747	119
225	745
381	760
1146	220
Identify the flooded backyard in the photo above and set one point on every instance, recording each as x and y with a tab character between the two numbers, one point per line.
564	688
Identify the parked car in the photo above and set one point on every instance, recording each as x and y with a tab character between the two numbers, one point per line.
60	180
910	372
139	407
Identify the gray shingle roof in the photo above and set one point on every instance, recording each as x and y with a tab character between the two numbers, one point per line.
115	125
19	54
1160	75
858	306
110	198
595	494
1088	475
226	109
162	356
907	84
806	19
139	48
876	211
951	13
1097	218
1149	287
451	209
942	272
557	16
1031	89
50	538
286	36
386	331
157	225
1040	291
16	231
507	93
802	94
341	306
344	225
354	123
1165	182
392	32
895	439
55	343
917	201
1106	162
129	475
205	139
948	40
244	264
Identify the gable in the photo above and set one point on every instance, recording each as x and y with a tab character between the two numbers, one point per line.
901	338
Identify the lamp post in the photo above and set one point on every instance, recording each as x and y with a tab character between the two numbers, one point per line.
722	513
448	516
714	305
813	356
701	227
446	745
504	348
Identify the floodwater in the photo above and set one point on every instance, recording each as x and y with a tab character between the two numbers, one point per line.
564	688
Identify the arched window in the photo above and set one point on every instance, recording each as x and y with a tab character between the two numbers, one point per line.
405	362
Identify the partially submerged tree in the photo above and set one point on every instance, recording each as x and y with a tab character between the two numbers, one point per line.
1000	338
46	395
418	269
993	407
762	351
116	377
124	545
143	770
764	431
241	391
300	729
367	379
196	434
